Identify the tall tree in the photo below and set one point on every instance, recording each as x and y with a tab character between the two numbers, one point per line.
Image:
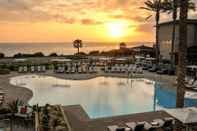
174	17
155	6
77	44
182	53
180	91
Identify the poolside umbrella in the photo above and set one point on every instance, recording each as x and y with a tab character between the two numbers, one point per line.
185	115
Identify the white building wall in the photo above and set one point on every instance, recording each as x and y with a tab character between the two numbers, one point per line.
165	39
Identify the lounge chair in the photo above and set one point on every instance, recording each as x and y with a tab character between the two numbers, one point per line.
159	121
1	99
67	70
113	69
106	69
32	69
43	68
90	69
131	125
140	70
115	128
118	69
39	68
149	127
189	81
112	128
153	68
192	85
60	69
79	70
20	69
162	71
94	69
139	126
73	70
25	69
168	124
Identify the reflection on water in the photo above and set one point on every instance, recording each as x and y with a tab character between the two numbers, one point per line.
115	97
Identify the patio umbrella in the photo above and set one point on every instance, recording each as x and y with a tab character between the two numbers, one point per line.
185	115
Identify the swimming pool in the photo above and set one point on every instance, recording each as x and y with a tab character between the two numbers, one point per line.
101	96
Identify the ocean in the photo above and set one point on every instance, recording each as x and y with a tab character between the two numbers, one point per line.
9	49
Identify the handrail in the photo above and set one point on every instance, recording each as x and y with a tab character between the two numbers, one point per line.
37	127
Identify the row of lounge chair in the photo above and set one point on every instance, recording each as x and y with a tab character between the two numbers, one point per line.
2	93
165	124
123	69
25	69
80	69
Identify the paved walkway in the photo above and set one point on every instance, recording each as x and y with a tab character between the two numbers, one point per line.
79	120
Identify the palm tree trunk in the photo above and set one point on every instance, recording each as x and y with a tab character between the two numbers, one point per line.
157	35
182	58
182	53
78	50
173	32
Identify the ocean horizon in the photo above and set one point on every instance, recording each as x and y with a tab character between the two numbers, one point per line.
61	48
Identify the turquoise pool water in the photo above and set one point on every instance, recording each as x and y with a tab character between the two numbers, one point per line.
101	96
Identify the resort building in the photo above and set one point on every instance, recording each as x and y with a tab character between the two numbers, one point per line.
165	40
143	50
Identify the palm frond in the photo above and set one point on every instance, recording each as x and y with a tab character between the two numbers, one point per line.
147	18
146	8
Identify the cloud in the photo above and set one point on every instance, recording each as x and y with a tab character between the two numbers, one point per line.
134	18
90	22
85	12
144	28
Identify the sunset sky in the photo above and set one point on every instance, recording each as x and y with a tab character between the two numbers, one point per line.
65	20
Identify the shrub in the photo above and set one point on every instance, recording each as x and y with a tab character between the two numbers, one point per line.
13	105
4	111
2	55
53	55
4	71
94	53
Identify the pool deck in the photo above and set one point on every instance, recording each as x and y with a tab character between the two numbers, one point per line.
13	92
79	120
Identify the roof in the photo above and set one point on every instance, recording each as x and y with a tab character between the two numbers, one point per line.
20	60
142	47
189	21
61	60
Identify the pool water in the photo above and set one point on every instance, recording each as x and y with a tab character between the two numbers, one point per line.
101	96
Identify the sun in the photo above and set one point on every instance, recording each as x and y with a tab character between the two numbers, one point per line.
116	29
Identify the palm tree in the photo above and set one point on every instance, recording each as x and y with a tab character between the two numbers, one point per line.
182	53
171	6
155	6
174	17
77	44
180	91
122	45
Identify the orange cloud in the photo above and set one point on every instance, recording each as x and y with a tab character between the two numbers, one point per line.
90	22
74	15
